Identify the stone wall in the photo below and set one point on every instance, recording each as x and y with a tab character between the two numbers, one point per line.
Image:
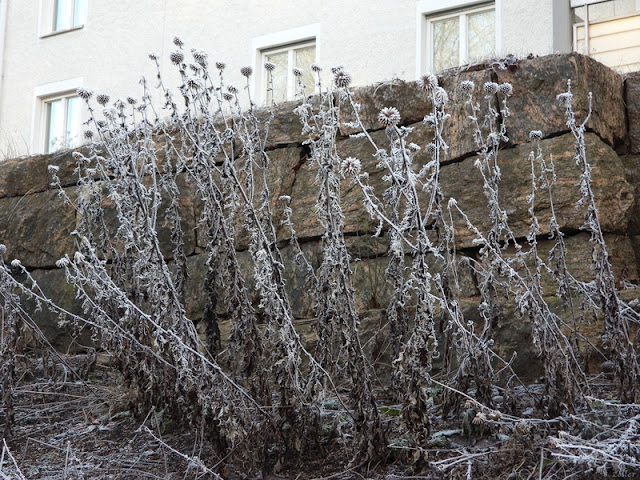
35	225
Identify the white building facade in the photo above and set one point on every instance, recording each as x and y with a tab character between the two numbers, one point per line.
49	48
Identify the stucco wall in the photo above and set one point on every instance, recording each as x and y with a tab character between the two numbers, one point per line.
376	40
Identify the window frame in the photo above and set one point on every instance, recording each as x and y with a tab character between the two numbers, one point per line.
291	80
47	104
428	11
48	17
43	95
269	43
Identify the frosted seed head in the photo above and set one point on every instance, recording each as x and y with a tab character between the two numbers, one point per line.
269	66
102	99
200	56
232	89
428	82
342	78
350	167
316	68
389	116
84	93
246	71
467	86
176	57
440	96
177	41
297	72
490	88
221	66
535	135
506	89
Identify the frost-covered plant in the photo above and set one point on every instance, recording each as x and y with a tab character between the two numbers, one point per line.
616	339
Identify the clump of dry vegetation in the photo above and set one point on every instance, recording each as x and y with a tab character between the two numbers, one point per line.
263	400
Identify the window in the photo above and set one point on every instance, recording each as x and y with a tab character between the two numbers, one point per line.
281	84
62	15
461	36
287	49
63	122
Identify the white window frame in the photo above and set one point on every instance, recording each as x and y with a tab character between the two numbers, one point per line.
48	17
278	42
291	80
44	94
427	11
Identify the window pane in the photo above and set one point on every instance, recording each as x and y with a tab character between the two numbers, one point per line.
79	12
74	122
55	125
62	14
304	57
446	43
482	35
278	77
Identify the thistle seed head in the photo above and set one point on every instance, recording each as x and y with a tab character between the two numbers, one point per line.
506	89
350	167
490	88
221	66
389	116
535	135
84	93
467	86
201	57
440	96
269	66
176	57
177	41
428	82
246	71
102	99
298	72
342	78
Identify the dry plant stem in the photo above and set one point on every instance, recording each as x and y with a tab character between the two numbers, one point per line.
616	325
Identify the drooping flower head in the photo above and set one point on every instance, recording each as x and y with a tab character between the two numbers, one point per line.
389	116
440	96
201	57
